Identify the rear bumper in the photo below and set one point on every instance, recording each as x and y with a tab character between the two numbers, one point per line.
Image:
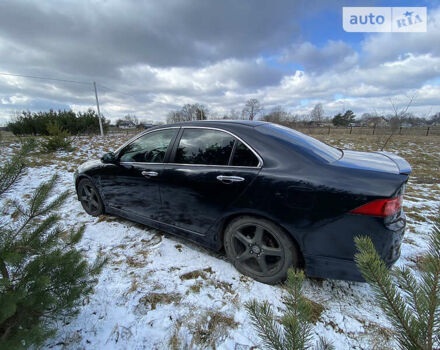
386	234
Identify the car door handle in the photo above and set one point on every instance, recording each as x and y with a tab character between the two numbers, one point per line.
229	179
149	173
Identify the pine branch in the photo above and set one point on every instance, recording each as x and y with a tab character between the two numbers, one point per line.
263	319
44	276
10	174
295	330
4	269
431	283
13	169
297	317
377	275
412	290
40	196
324	344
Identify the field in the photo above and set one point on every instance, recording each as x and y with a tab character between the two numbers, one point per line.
159	291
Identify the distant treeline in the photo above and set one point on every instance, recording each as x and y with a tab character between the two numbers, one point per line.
253	110
36	123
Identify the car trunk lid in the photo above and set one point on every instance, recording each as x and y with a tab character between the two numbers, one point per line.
375	161
402	164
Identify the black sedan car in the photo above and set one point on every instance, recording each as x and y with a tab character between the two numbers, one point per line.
270	196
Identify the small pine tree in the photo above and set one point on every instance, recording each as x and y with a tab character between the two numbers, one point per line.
414	312
42	275
58	139
343	119
12	169
294	332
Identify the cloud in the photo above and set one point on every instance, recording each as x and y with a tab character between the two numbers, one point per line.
95	38
389	47
152	57
335	55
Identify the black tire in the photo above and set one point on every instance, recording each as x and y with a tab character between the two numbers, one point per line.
89	197
260	249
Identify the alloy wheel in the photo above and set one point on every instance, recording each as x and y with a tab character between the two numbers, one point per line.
89	199
257	250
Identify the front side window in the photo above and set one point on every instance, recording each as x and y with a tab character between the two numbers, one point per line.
150	148
204	146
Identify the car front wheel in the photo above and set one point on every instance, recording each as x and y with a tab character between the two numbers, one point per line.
260	249
90	198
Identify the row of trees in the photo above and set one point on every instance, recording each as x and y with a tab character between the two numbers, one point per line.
29	123
316	117
189	112
38	123
254	110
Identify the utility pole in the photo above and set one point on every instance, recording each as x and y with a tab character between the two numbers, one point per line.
99	112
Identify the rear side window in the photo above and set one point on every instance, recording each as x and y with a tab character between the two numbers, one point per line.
150	148
243	156
307	143
204	146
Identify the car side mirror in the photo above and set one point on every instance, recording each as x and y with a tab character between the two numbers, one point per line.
109	158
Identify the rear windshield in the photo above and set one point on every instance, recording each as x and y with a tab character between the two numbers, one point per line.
308	143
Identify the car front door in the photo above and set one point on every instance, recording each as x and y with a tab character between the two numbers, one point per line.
131	185
208	170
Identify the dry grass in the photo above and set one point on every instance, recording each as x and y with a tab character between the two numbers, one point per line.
179	247
135	262
212	327
208	327
195	288
316	310
152	299
192	275
175	342
107	218
382	335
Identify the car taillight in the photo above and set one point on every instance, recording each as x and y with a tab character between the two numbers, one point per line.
380	207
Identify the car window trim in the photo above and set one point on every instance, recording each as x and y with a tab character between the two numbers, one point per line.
176	144
258	166
231	157
143	134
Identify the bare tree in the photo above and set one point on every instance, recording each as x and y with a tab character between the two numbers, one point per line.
233	114
278	115
435	119
132	118
317	113
187	113
397	117
251	109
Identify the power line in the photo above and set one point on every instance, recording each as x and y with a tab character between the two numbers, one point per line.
46	78
66	81
114	90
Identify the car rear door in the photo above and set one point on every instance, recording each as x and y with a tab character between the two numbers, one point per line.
209	168
132	184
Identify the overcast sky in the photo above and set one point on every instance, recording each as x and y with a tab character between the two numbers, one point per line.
150	57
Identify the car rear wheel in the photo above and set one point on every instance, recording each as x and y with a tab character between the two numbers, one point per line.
90	198
260	249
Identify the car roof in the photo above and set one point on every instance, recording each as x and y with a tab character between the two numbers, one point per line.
213	123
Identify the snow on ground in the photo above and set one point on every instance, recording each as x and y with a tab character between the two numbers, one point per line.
159	291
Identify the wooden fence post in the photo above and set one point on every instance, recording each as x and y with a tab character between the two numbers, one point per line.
427	131
328	130
351	129
374	129
400	131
